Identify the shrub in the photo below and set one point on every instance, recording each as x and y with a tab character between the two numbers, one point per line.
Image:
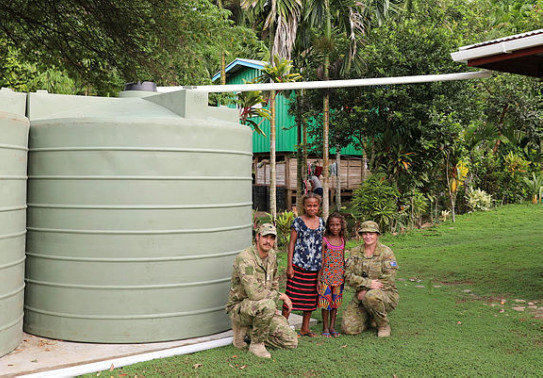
283	222
479	200
376	199
535	186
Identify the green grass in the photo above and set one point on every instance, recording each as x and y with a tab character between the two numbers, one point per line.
458	285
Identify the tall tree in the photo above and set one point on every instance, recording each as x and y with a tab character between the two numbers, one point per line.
351	18
279	19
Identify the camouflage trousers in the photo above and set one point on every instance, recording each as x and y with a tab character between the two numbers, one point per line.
265	325
359	313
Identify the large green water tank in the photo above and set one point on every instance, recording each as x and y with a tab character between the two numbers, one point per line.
137	208
13	159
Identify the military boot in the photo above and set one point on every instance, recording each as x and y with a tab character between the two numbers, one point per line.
259	350
239	335
383	331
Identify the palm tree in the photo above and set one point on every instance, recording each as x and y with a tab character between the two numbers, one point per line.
279	72
280	19
352	18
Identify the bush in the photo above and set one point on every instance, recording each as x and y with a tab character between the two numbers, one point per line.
376	199
413	207
283	223
479	200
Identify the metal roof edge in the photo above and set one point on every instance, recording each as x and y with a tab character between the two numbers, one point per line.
250	63
504	47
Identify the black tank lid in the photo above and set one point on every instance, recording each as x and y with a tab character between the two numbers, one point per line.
141	86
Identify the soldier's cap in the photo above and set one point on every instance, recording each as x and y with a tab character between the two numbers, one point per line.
267	229
369	226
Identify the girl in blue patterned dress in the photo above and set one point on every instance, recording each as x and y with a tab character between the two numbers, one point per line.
304	261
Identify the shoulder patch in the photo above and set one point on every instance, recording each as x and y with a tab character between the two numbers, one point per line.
249	270
394	264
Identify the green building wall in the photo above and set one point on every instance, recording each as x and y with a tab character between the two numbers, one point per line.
286	130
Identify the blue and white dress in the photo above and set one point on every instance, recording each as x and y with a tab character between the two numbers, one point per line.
306	262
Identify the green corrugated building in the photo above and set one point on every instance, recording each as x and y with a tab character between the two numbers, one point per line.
241	71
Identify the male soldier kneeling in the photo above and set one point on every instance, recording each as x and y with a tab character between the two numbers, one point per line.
254	297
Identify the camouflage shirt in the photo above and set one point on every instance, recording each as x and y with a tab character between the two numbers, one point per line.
253	278
361	270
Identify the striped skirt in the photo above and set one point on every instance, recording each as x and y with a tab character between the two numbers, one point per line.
302	289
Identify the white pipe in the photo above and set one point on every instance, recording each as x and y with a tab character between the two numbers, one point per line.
332	83
124	361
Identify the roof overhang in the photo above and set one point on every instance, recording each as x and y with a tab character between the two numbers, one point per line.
520	54
238	64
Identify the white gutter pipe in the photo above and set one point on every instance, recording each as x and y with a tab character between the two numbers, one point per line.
471	52
124	361
331	83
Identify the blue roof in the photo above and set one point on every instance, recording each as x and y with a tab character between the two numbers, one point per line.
239	63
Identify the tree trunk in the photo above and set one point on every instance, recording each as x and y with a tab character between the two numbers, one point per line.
338	179
325	163
273	176
304	150
363	171
223	55
326	123
223	68
451	194
299	153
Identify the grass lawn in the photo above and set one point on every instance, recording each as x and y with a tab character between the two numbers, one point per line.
471	305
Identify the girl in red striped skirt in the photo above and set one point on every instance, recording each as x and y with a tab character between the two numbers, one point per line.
304	261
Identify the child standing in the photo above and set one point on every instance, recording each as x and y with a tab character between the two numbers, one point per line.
331	275
304	261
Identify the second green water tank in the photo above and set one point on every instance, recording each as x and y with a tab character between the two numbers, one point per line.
137	208
13	159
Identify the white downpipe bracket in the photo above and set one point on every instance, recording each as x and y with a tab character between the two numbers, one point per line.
331	83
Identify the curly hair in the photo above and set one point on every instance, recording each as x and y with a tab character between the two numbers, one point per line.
341	218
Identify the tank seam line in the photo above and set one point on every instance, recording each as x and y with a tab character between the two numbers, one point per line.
13	263
132	207
13	147
156	178
136	232
122	317
154	149
14	235
12	208
126	287
9	325
12	293
142	259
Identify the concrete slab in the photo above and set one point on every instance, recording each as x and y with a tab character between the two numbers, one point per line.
40	355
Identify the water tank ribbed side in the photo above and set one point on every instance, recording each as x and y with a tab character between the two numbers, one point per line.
13	161
133	225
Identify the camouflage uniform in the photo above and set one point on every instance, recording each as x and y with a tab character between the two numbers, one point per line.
253	299
377	302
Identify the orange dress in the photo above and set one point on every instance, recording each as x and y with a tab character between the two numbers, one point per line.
333	275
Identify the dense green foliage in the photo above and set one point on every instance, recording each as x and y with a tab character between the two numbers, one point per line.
102	44
443	139
458	286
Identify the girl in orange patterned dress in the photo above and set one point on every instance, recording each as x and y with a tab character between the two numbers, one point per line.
331	275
